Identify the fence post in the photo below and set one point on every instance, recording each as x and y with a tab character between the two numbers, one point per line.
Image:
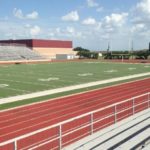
91	123
60	137
15	145
133	106
115	113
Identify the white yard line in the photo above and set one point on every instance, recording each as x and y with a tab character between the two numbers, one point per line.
22	82
14	89
3	85
68	88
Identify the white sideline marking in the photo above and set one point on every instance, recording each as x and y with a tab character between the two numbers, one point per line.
49	79
85	74
3	85
68	88
91	62
111	71
147	66
131	68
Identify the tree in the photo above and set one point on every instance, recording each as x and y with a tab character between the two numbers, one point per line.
81	49
85	53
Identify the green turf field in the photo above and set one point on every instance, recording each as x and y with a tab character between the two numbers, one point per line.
27	78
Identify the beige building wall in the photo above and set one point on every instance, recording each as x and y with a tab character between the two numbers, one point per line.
50	53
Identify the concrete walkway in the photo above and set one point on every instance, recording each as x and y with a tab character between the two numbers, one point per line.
68	88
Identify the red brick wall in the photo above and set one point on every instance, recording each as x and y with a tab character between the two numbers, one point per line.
40	43
52	44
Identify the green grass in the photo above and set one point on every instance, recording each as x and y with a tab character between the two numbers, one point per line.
23	79
44	98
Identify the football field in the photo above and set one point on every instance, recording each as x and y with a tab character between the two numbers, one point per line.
29	78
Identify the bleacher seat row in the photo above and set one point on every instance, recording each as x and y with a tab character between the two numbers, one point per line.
132	133
10	53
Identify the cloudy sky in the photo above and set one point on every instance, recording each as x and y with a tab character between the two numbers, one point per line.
88	23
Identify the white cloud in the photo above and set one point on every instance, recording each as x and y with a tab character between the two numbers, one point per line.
140	31
19	14
115	19
92	3
142	12
68	33
89	21
70	30
99	25
72	16
35	30
144	6
13	30
141	19
138	27
33	15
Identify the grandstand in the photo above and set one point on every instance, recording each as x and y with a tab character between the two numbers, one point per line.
46	48
13	52
131	133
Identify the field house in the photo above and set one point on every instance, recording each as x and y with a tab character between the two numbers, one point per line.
70	104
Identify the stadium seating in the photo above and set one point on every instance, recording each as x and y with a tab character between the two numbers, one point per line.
9	53
131	133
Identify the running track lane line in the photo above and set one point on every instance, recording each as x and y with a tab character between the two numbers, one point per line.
60	102
146	82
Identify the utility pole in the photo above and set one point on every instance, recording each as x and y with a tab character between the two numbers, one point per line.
132	47
108	49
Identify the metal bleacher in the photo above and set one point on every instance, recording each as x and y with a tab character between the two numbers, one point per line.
132	133
147	147
10	53
124	126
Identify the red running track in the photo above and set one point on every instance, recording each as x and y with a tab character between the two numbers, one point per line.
20	121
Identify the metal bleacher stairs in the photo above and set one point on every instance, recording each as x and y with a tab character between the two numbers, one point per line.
132	133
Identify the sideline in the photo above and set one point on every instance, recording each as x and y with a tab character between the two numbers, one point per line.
68	88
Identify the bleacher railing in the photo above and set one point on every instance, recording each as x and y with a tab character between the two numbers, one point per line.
66	132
